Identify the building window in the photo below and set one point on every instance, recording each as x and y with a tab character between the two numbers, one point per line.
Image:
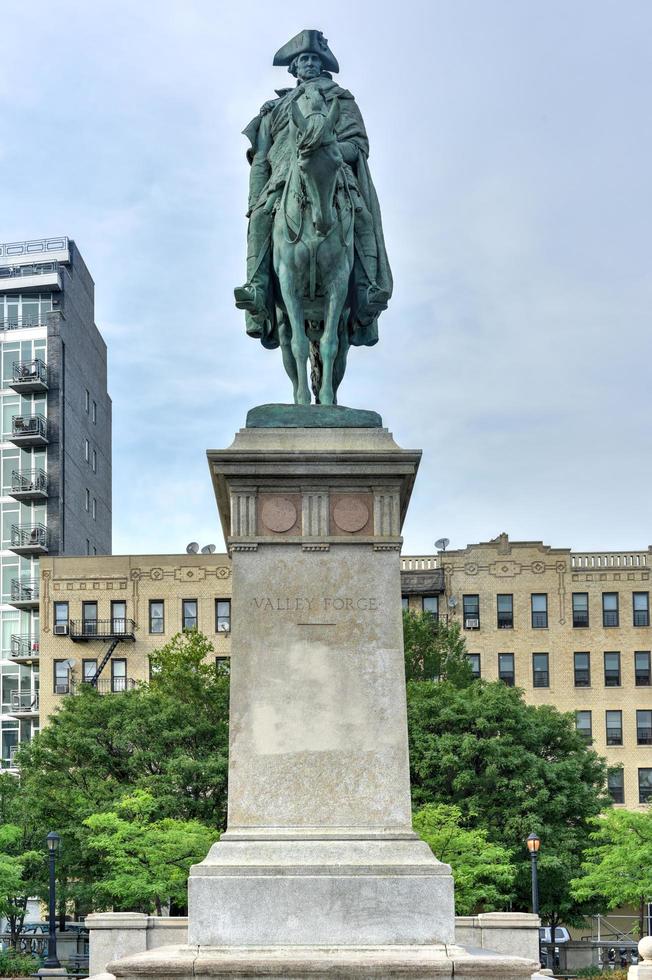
644	727
471	609
89	618
583	725
118	676
582	667
506	668
89	669
405	603
223	665
505	611
616	785
94	461
580	609
614	723
540	671
118	617
87	499
188	614
642	668
612	670
62	684
87	399
641	601
430	605
610	609
94	412
645	785
87	449
222	615
60	618
539	611
94	509
156	616
474	663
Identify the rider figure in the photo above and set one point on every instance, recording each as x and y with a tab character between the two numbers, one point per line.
310	60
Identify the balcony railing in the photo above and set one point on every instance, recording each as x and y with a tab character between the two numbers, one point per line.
641	617
539	620
30	376
29	430
34	246
18	322
609	617
32	485
24	647
35	269
29	539
115	685
25	591
24	703
102	629
580	618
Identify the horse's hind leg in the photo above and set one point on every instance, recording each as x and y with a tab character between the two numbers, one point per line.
289	363
329	344
339	367
300	346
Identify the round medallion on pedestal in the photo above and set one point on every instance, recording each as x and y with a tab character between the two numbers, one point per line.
350	514
279	514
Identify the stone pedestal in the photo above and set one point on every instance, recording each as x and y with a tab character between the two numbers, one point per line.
319	873
319	846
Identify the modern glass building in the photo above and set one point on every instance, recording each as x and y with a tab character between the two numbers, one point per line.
55	452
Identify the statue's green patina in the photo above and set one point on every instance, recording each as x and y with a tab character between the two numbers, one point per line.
318	276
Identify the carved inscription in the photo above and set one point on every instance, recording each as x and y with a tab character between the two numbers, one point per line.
314	604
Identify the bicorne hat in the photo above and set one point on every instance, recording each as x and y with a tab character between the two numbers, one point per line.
313	41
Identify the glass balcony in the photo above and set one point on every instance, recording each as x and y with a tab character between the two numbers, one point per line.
24	705
32	485
24	649
25	593
29	539
29	430
29	376
102	629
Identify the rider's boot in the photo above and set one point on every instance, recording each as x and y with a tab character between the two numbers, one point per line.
372	298
252	297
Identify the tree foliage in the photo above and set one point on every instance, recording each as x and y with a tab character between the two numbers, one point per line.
20	861
483	871
511	768
434	650
143	861
168	738
617	867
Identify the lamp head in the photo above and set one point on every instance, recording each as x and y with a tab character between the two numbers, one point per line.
53	840
533	843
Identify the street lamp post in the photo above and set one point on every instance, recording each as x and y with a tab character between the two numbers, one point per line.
533	844
52	961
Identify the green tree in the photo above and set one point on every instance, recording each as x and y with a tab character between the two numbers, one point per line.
483	871
618	865
143	862
168	738
20	861
434	650
511	768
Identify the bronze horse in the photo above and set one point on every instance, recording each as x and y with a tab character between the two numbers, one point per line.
314	253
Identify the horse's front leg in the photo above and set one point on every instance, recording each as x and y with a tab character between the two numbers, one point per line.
300	346
289	363
329	342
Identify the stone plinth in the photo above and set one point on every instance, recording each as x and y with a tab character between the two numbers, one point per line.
319	846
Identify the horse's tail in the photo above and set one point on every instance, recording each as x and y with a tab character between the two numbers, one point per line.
316	369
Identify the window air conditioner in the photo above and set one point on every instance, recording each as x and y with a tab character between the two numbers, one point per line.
472	624
61	629
62	688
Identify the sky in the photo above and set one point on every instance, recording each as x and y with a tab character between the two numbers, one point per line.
511	149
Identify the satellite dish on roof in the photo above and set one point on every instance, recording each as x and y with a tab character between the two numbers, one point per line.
452	602
208	549
192	548
441	544
69	664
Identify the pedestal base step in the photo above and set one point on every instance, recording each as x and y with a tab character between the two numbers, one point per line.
314	962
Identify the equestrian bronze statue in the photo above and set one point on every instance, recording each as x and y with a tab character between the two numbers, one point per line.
318	276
